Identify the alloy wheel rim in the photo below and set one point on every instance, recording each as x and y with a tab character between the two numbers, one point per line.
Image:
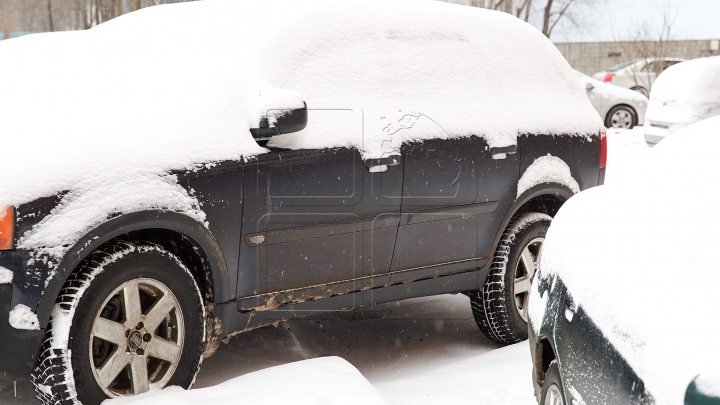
553	397
525	270
137	338
621	119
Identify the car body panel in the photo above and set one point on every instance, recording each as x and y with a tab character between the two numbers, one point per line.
592	370
449	190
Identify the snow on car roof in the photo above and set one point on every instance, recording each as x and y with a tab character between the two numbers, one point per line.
686	92
170	86
639	257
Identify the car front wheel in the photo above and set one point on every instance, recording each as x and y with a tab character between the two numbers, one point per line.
129	319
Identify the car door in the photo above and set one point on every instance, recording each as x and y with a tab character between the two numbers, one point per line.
451	189
315	217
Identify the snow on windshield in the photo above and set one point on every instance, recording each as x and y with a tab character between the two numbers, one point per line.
638	256
174	85
686	93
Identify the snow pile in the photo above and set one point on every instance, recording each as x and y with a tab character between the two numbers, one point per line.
171	86
686	93
499	377
547	169
324	380
637	255
22	317
6	276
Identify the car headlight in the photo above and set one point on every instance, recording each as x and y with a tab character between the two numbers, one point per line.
7	228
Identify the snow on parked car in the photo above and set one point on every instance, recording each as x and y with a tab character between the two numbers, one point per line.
623	309
638	75
685	94
166	192
618	107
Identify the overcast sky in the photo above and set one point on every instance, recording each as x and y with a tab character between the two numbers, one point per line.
618	19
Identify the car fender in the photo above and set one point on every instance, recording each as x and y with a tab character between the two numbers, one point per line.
195	231
556	190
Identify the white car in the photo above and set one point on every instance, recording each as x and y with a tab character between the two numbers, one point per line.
618	107
638	75
685	94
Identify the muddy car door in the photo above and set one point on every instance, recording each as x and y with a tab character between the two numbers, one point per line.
316	223
452	192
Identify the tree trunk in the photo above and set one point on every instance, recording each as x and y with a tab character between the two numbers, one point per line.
50	15
546	19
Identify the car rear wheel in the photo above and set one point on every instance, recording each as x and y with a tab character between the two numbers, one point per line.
129	319
552	393
621	116
500	309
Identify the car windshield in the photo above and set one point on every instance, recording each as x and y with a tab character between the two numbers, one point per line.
621	66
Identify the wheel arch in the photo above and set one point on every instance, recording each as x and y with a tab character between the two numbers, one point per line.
181	235
546	198
544	354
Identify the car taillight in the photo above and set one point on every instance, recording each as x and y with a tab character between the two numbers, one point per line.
608	77
7	228
603	149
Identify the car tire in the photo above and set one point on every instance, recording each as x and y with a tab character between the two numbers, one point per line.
499	310
641	90
552	389
89	336
621	116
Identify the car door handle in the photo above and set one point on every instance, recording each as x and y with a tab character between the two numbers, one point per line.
386	161
502	152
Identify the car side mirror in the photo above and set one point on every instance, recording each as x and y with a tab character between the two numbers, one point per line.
589	86
280	122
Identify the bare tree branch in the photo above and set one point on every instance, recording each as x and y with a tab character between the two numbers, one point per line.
559	15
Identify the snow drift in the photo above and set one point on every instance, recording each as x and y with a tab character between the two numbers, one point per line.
324	380
638	256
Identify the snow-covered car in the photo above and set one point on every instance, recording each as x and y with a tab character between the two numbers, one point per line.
162	193
618	107
685	94
622	309
638	75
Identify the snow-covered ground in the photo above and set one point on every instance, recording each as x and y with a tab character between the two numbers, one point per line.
418	351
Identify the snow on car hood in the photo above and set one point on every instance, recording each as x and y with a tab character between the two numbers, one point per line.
686	93
639	256
171	86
